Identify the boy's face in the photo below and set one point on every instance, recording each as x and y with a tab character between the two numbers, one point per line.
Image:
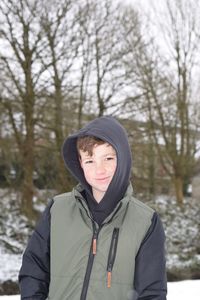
99	168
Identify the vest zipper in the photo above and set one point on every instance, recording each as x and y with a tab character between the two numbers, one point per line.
112	255
92	253
93	250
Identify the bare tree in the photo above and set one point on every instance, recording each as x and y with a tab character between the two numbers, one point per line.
134	45
20	39
167	77
59	25
105	49
85	54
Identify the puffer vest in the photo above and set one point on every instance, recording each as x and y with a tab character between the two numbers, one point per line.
89	262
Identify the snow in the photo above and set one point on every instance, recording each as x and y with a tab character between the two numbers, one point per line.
9	271
17	297
182	290
182	232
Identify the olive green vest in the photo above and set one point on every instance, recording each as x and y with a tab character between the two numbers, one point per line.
113	250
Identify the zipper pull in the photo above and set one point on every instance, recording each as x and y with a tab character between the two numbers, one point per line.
94	243
112	255
94	246
109	277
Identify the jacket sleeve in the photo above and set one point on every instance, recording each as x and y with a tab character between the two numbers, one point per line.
150	280
34	275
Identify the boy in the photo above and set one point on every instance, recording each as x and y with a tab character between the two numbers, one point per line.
96	242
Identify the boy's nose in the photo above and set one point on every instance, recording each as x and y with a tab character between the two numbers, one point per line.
100	168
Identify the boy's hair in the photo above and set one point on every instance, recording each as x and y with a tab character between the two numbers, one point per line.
87	143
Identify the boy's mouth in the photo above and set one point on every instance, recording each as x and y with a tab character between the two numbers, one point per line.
103	178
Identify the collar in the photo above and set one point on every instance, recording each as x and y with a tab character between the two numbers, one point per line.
116	217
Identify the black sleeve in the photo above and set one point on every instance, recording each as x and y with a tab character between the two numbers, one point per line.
34	275
150	280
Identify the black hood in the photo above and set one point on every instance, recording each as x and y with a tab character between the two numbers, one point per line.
111	131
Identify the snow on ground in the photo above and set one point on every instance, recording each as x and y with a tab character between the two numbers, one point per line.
9	266
182	290
10	297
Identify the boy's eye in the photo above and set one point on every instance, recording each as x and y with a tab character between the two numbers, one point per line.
109	158
88	161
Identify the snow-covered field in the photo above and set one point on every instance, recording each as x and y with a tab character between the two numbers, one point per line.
182	290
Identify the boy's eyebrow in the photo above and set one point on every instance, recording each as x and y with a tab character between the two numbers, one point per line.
86	157
110	153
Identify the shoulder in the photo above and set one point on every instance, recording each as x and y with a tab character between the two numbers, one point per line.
141	208
63	197
136	206
63	200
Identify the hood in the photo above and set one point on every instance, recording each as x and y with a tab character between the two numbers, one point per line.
112	132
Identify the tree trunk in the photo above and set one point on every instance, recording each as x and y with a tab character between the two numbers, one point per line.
178	183
28	186
151	168
28	165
